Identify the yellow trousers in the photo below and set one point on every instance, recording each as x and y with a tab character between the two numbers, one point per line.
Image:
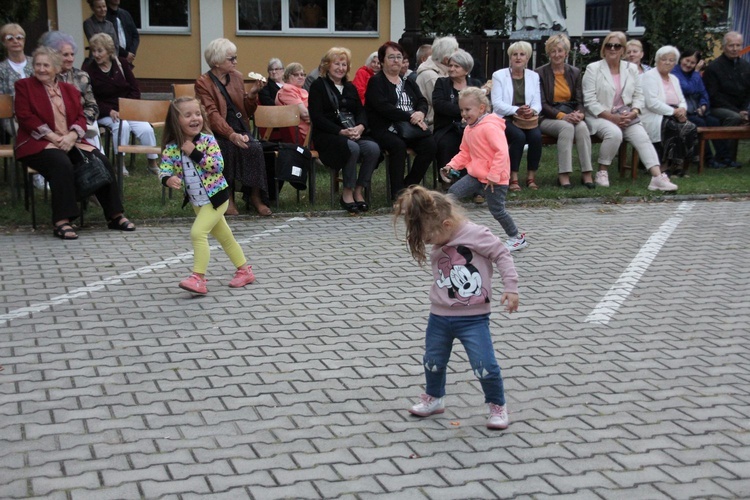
210	220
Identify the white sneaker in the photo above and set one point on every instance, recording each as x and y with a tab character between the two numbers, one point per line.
428	406
498	417
661	183
516	242
602	178
125	172
39	182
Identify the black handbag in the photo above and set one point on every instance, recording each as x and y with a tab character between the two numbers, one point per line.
409	132
293	164
346	118
89	171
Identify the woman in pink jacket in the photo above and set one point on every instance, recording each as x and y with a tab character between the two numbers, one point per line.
484	155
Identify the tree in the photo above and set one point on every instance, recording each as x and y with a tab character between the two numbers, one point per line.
682	23
18	11
464	17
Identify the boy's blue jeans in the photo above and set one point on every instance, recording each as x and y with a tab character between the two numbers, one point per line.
474	333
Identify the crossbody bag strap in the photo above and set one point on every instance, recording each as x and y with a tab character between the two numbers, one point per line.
334	99
230	103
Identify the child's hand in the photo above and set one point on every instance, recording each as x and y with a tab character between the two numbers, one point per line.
174	182
445	174
188	147
491	185
511	301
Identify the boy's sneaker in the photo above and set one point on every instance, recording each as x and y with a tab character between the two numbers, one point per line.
661	183
498	417
195	284
602	178
242	277
516	242
428	406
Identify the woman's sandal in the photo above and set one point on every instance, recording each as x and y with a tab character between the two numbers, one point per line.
531	184
121	223
514	186
65	231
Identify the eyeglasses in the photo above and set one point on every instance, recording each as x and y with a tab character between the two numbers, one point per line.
395	58
277	69
232	59
299	75
18	37
613	46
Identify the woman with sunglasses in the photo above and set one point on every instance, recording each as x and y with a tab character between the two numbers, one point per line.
228	105
613	100
293	93
17	65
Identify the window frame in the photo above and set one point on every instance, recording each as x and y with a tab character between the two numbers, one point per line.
146	28
633	28
286	30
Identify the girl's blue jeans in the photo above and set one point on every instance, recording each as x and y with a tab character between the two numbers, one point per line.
474	333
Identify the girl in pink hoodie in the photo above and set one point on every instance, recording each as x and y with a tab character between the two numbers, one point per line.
484	155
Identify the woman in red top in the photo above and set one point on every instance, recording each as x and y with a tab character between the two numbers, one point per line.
363	74
50	123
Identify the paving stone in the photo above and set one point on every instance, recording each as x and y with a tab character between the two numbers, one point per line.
45	485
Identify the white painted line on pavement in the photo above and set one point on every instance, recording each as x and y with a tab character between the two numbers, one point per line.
113	280
616	296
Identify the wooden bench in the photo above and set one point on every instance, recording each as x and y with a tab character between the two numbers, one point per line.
622	155
710	133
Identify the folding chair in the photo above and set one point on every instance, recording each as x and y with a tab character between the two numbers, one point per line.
153	112
271	117
6	150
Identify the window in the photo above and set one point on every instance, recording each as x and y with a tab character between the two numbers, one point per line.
314	17
599	17
172	16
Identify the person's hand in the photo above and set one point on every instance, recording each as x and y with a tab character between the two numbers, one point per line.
491	185
744	115
681	115
700	65
67	141
115	115
445	173
511	301
254	87
174	182
130	57
525	112
188	147
417	118
239	139
701	110
305	116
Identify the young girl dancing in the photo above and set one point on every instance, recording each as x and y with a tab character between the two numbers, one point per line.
192	155
462	257
484	154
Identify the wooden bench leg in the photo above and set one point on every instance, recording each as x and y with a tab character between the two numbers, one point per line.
634	167
701	153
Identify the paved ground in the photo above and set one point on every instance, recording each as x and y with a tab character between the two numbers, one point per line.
627	369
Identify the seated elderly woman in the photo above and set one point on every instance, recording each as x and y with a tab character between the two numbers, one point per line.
516	96
562	111
228	106
293	93
699	104
66	46
434	67
339	132
267	95
394	102
364	73
665	113
112	78
449	128
50	124
634	54
613	100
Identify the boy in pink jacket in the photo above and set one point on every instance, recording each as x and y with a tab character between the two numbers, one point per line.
484	155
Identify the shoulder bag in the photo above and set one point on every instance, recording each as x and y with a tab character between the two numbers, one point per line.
234	116
89	171
345	117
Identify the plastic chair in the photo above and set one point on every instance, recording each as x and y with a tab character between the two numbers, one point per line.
153	112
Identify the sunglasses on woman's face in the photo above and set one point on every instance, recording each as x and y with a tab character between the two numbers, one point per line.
613	46
18	37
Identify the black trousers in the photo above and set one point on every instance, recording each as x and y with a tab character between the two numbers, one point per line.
57	169
424	149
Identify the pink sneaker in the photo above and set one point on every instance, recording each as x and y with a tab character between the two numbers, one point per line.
242	277
498	417
195	284
428	406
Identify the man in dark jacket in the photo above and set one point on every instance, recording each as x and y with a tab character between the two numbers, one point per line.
126	29
727	81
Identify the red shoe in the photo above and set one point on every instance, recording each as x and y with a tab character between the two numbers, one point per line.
195	284
242	277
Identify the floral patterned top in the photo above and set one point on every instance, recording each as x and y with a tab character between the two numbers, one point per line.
82	81
9	77
208	161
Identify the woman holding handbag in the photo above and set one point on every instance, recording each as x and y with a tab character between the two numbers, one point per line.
51	124
396	111
340	123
